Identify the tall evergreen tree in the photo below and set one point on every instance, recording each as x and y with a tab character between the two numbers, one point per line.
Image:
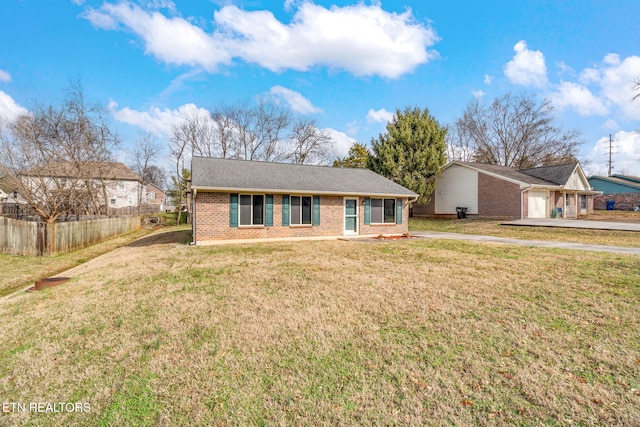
411	151
357	157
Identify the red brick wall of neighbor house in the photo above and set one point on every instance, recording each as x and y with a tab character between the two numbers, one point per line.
497	198
624	201
159	198
212	220
426	210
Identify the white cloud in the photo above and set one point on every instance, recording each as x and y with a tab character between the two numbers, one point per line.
617	84
9	109
611	124
612	59
362	39
488	79
625	153
477	94
158	121
78	2
589	75
527	68
379	116
565	69
342	142
4	76
577	97
296	101
171	40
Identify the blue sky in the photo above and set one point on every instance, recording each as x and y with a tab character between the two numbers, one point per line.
347	64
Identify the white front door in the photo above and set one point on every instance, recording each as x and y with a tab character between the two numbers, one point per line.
350	216
537	204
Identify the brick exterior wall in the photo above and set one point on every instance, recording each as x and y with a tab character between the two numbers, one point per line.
624	201
212	220
497	197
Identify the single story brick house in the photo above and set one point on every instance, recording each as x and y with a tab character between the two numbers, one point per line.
559	191
240	199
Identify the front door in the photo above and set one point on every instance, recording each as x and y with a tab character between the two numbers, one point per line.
350	216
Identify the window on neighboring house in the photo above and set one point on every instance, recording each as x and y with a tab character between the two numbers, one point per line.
121	184
583	201
130	200
383	211
251	209
112	201
301	210
151	195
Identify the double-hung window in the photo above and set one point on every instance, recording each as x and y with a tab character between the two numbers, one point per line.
383	211
301	210
251	209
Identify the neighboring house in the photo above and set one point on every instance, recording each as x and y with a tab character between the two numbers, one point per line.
620	192
497	191
615	184
239	199
122	186
155	196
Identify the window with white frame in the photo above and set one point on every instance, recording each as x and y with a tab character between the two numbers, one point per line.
121	184
112	201
251	210
383	211
300	211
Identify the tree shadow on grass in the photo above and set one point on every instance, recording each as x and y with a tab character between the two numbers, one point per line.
179	237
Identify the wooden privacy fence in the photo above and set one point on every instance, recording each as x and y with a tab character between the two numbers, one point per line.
30	238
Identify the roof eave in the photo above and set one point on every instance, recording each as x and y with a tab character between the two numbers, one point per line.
302	192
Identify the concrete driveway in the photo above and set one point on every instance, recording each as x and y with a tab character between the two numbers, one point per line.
575	223
532	243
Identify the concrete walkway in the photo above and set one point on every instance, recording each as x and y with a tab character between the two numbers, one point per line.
537	243
576	223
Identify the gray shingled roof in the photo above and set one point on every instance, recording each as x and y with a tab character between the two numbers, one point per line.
508	172
241	175
557	174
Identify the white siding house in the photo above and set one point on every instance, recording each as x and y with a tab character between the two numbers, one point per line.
458	186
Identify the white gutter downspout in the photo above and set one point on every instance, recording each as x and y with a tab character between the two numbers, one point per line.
522	200
193	216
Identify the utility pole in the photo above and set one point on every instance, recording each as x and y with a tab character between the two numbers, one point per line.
609	155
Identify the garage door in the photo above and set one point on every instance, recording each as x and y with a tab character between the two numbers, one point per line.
537	204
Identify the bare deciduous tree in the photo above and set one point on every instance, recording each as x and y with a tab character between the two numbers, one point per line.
50	156
308	143
459	145
144	153
517	131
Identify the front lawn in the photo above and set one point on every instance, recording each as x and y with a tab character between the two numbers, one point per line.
332	332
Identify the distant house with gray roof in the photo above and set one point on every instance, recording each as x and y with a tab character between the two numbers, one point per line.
558	191
240	199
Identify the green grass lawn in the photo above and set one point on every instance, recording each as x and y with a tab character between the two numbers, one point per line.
494	228
330	332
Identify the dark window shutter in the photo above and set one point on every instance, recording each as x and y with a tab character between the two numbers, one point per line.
285	210
367	210
233	210
316	210
269	211
398	211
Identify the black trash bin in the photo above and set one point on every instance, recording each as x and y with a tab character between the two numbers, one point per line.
462	212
